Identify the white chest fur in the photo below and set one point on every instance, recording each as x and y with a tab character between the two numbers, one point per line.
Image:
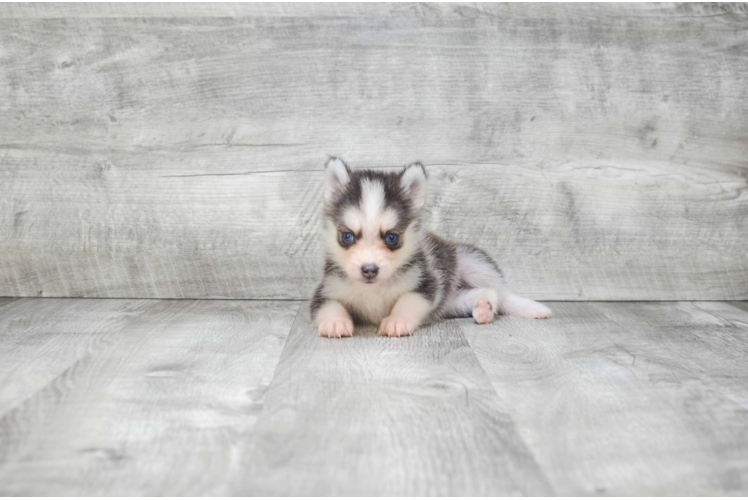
373	302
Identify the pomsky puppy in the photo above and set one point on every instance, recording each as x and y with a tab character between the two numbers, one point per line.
383	268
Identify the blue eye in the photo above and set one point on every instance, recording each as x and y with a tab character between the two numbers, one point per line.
391	238
348	237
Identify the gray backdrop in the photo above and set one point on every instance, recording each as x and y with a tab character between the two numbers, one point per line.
596	151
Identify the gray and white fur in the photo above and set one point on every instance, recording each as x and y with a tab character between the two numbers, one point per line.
383	268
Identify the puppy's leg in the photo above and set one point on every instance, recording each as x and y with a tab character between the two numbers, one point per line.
333	320
478	270
514	305
480	302
409	311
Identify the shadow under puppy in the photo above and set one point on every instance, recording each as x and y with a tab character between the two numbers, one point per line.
382	268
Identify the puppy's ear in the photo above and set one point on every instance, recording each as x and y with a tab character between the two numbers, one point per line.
413	182
337	176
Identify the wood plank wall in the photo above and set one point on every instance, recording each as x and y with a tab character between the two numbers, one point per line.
598	151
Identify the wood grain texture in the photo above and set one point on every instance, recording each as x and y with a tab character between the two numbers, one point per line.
7	300
627	398
199	10
406	10
40	339
740	305
158	412
373	416
137	397
171	151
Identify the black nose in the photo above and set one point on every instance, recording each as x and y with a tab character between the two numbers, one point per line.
369	271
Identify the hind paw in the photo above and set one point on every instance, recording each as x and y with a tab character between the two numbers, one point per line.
482	312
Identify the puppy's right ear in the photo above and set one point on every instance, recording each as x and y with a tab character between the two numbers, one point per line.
337	176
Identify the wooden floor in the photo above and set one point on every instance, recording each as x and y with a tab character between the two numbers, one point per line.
162	397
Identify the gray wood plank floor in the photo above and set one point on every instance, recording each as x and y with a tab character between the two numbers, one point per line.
375	417
6	300
627	398
157	409
160	397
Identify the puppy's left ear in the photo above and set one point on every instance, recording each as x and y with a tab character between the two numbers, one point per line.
413	182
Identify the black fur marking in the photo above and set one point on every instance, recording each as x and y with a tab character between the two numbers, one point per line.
482	255
332	269
317	300
416	260
463	285
394	197
443	257
428	286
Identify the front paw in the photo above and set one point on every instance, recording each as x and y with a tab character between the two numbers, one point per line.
393	326
336	328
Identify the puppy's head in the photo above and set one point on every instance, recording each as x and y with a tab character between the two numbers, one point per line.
372	219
